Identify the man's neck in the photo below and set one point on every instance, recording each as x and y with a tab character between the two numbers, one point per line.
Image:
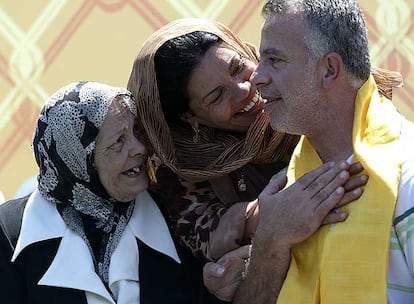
333	140
335	146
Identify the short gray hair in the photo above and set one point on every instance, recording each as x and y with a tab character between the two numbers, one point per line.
331	26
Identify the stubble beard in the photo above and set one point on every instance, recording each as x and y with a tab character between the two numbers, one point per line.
304	100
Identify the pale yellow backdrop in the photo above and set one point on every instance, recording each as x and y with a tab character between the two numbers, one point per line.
45	44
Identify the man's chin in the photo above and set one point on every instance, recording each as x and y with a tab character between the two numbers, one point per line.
274	125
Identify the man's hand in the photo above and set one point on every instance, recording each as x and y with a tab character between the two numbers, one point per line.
293	214
353	191
287	217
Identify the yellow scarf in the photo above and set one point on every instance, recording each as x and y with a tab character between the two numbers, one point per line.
348	262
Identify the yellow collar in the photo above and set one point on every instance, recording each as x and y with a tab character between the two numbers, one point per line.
349	263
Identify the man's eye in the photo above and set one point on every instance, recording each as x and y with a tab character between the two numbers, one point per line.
274	60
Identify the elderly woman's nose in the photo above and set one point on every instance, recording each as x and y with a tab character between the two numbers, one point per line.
137	147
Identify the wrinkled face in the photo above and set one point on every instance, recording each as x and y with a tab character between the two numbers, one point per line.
287	76
221	95
120	156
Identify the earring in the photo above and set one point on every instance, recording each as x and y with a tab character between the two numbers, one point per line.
196	136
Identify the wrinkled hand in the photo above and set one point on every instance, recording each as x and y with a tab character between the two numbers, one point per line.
289	216
224	277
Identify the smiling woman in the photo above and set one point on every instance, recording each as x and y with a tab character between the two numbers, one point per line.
220	93
205	122
90	232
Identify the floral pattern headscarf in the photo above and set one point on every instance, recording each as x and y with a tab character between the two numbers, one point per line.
64	144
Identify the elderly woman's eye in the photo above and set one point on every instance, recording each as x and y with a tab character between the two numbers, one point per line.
118	143
136	130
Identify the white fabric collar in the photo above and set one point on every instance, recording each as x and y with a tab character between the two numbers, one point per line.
73	259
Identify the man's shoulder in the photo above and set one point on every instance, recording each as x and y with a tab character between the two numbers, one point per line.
407	138
407	129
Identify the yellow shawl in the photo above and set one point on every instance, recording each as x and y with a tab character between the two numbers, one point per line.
348	262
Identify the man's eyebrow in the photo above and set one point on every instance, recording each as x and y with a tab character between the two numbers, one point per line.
271	51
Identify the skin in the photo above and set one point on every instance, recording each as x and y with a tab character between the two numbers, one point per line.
311	106
283	64
220	88
118	151
218	277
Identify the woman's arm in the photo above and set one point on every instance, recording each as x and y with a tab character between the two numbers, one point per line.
200	221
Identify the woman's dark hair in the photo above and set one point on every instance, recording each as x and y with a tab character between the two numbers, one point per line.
174	62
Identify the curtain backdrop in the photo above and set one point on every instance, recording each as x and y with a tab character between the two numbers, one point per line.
45	44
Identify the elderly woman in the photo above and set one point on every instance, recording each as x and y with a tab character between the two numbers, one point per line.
91	233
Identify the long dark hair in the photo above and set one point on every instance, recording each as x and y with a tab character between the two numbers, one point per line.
174	62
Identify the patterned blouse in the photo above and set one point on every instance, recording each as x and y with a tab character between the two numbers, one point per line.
194	208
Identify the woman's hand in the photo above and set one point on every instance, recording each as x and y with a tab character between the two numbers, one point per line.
224	277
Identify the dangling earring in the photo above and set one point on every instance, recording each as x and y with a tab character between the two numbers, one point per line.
241	184
196	136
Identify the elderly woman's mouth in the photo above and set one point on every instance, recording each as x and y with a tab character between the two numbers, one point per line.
134	171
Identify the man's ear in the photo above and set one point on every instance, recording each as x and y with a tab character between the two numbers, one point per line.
333	66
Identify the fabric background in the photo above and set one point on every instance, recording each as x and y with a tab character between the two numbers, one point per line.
45	44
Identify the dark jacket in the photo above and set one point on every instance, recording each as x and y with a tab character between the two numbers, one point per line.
162	280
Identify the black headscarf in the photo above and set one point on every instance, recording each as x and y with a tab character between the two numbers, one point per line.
64	145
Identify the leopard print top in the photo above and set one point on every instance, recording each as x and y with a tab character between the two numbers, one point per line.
195	210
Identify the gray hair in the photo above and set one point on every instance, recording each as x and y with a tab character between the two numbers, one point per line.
331	26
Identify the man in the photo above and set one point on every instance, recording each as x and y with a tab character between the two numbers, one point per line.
315	73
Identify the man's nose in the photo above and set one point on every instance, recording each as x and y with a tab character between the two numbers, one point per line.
259	77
